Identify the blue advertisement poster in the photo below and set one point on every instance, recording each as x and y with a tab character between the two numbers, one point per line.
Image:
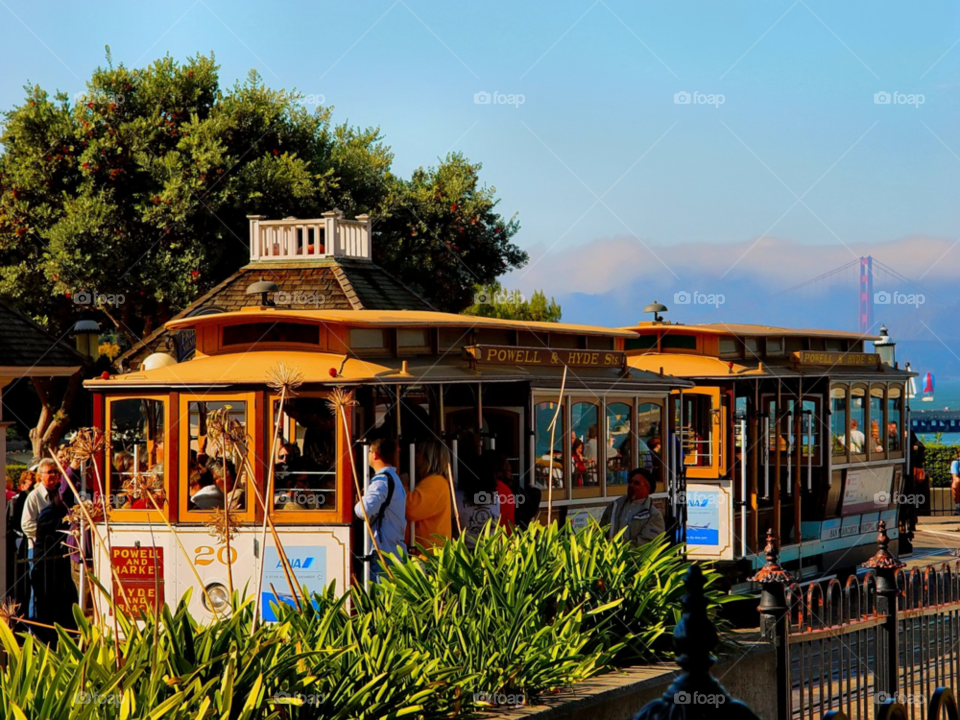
309	565
703	518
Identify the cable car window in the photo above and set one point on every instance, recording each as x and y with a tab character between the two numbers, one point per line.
838	419
858	420
641	342
775	346
216	472
697	431
136	454
649	417
729	347
878	435
835	345
585	447
894	413
367	339
412	338
809	429
619	442
274	332
544	414
678	342
753	347
305	467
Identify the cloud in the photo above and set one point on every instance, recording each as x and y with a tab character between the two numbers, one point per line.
608	263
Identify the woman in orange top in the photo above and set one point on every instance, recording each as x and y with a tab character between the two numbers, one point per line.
429	506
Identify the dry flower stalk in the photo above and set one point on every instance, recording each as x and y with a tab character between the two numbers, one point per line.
237	442
223	526
86	447
9	612
285	380
226	432
553	430
339	401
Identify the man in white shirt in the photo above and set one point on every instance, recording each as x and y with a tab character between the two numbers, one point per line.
45	494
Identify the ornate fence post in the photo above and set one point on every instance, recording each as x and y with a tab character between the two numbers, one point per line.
695	694
774	621
885	565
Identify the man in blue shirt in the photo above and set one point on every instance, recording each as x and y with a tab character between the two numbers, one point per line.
384	502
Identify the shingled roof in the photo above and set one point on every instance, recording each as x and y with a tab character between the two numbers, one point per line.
341	284
26	345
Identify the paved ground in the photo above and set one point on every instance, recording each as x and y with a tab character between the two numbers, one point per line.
935	541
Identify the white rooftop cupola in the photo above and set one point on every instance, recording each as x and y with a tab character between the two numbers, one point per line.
330	236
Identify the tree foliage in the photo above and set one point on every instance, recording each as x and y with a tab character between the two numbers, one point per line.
139	190
442	234
495	302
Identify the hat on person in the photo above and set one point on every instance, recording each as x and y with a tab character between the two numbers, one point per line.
647	475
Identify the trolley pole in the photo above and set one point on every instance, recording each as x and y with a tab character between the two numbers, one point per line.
367	544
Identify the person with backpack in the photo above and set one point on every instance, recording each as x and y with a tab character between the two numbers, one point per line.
384	502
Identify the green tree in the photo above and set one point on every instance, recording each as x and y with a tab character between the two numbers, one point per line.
441	234
138	192
493	301
140	188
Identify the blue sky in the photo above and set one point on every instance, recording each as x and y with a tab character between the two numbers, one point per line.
598	80
599	153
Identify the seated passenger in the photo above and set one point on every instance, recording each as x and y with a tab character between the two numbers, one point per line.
579	463
478	498
508	500
295	494
288	456
893	436
123	467
225	478
635	512
157	467
204	493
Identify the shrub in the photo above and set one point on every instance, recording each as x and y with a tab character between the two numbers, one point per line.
937	460
518	616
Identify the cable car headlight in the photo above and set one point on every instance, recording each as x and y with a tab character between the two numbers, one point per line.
217	596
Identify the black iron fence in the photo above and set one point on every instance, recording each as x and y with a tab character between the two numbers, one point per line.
890	635
882	647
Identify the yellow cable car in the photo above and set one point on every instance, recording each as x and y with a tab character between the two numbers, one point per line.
184	440
798	431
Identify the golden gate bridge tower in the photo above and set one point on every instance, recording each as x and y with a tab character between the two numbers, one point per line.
865	313
869	292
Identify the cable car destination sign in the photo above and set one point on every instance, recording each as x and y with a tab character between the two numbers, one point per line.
544	356
838	359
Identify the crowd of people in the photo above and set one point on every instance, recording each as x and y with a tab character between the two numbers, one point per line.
47	549
50	555
486	492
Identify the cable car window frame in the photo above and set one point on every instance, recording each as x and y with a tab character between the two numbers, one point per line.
251	512
840	457
586	491
342	512
136	515
717	466
902	440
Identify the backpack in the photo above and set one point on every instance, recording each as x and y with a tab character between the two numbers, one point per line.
377	520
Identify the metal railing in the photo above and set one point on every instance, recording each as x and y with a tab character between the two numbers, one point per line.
296	239
890	635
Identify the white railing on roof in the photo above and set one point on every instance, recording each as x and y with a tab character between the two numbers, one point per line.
295	239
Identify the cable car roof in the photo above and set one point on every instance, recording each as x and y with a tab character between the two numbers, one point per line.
746	330
252	368
683	365
393	318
